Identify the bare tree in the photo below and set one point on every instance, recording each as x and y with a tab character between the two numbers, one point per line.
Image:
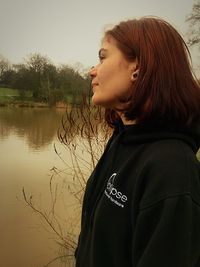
83	135
4	65
194	25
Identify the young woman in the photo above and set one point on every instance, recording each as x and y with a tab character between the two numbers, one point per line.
142	202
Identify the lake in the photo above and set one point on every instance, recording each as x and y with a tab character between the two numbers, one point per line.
52	176
28	161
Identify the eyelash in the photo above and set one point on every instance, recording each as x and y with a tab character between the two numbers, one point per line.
101	58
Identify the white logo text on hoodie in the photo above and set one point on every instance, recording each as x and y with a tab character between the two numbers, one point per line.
113	194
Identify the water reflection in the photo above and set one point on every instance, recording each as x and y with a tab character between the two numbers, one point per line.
24	131
38	126
27	137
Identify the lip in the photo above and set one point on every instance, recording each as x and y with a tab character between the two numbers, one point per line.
94	84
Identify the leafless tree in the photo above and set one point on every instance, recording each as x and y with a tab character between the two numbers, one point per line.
83	135
4	65
194	25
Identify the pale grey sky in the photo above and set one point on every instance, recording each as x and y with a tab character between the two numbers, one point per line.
69	31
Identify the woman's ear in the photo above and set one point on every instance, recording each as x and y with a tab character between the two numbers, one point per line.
134	70
135	74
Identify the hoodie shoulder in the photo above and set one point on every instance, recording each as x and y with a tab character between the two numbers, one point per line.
171	169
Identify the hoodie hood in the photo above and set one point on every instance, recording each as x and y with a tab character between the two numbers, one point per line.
145	133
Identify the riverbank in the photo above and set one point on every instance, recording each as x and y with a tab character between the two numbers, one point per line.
12	97
31	104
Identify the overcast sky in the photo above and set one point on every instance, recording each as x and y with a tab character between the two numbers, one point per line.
69	31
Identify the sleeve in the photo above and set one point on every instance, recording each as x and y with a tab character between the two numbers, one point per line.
167	234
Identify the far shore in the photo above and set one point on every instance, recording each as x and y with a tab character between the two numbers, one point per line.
29	104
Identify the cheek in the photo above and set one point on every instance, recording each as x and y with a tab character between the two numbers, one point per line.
104	75
114	80
107	71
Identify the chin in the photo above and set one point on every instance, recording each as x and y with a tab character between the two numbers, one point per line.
99	101
96	100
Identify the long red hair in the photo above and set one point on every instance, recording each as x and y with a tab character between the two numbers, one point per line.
166	88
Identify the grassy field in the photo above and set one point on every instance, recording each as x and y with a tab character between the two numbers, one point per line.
8	95
12	96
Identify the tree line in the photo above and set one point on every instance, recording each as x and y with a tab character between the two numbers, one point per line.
50	84
45	82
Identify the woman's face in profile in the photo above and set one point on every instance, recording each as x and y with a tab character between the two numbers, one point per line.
112	77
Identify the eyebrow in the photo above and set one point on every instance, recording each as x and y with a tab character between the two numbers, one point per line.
102	50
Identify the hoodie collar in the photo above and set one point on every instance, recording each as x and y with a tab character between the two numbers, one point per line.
143	133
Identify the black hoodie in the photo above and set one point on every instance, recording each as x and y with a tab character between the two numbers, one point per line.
142	202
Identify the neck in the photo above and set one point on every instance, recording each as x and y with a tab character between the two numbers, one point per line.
125	121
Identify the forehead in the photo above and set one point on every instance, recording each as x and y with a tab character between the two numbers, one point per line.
108	42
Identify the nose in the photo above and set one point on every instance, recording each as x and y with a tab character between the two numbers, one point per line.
92	72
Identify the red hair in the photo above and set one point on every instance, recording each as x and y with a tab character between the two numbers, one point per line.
166	88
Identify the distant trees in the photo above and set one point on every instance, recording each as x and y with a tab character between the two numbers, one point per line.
4	65
45	81
5	71
194	25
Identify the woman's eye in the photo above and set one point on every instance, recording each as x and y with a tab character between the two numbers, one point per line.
101	58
